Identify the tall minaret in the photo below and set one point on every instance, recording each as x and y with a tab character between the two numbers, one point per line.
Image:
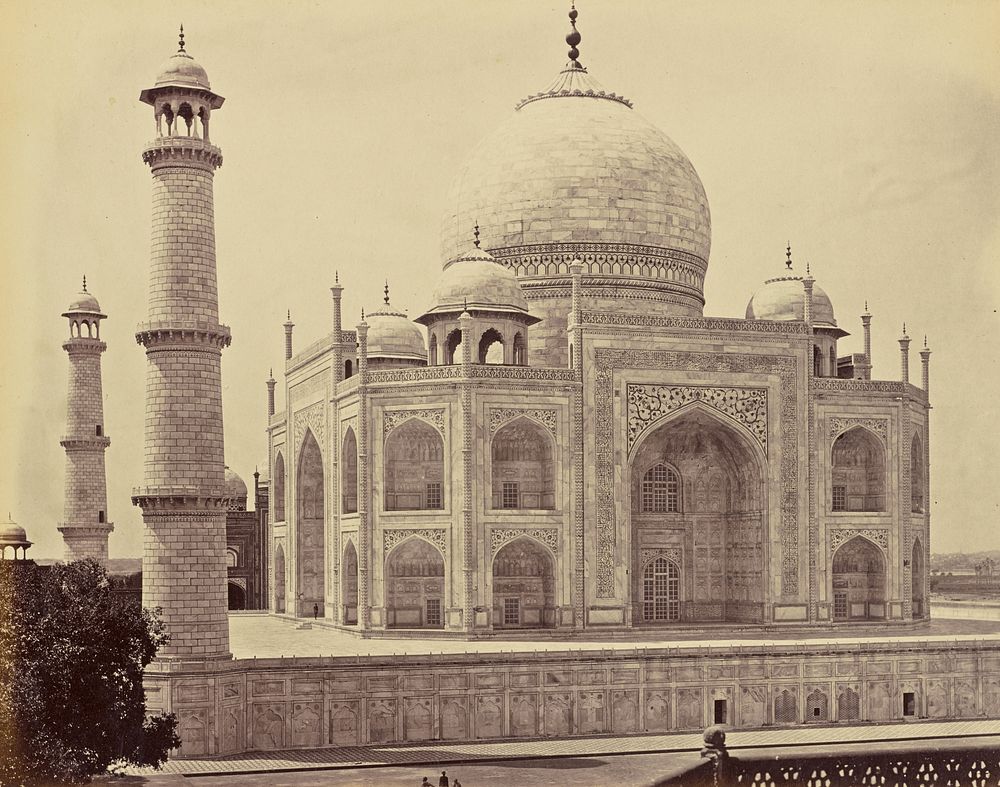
85	526
183	494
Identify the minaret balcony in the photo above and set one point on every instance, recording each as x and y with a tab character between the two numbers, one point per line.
85	443
182	335
182	150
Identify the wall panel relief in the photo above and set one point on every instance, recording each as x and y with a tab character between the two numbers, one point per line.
393	418
455	718
690	709
502	415
192	729
381	721
753	703
269	726
313	418
418	719
307	724
524	715
558	714
592	712
344	725
489	715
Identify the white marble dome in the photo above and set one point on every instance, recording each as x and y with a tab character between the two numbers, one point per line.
783	298
182	70
391	334
476	281
235	490
576	164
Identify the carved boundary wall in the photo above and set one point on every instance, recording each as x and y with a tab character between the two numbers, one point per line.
608	362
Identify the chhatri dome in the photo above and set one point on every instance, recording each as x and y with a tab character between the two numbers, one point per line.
475	280
577	170
392	335
182	70
783	298
84	302
235	490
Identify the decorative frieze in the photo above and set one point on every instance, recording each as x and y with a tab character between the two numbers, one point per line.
311	417
647	404
859	386
436	535
546	535
877	535
693	323
393	418
674	554
502	415
879	426
608	362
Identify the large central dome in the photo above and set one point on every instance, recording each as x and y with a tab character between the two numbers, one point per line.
577	172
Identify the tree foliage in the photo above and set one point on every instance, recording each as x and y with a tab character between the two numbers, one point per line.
72	653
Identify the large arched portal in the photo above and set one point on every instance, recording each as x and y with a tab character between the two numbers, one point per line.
279	579
414	582
237	596
309	541
523	469
414	467
858	581
524	586
697	517
349	585
858	472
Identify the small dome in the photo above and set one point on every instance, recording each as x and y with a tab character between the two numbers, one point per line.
476	281
391	334
236	491
11	533
783	298
85	302
182	70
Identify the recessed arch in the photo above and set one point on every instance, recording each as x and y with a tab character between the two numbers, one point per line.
858	471
453	347
414	467
519	349
917	475
310	536
702	477
414	585
859	581
432	350
661	580
279	487
524	585
349	584
522	466
491	347
918	579
349	472
279	579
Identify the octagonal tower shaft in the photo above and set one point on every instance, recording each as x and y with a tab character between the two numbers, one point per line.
183	494
85	528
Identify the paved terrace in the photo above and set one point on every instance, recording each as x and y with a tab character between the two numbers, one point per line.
267	636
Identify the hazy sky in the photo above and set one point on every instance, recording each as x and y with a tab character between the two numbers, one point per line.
866	133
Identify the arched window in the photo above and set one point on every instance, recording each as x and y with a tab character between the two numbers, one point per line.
237	597
917	579
432	350
917	475
858	581
349	473
279	488
858	472
833	362
491	347
414	467
817	362
232	558
520	350
523	469
661	590
660	490
348	368
523	586
310	554
279	578
452	347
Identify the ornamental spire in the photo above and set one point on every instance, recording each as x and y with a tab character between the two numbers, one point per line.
573	37
85	282
386	291
788	254
475	231
180	40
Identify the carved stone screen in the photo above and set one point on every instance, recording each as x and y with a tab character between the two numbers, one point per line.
349	578
349	472
279	488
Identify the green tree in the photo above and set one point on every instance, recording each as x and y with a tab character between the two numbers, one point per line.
72	654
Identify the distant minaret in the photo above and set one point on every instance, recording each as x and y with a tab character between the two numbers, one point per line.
85	525
183	497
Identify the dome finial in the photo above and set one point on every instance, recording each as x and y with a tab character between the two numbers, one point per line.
180	40
807	269
475	231
788	254
85	282
386	291
573	37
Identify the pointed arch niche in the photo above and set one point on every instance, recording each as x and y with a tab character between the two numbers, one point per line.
414	585
858	581
309	530
349	473
524	586
697	499
858	472
349	585
279	579
414	467
918	580
918	476
522	466
279	487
